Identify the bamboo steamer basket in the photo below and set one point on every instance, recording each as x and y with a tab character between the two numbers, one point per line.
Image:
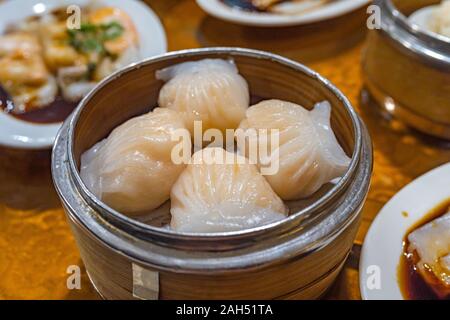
407	70
296	258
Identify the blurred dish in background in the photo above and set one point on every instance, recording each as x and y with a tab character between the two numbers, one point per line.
434	19
278	6
407	69
277	13
46	67
414	222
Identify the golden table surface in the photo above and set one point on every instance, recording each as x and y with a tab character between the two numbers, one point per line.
36	246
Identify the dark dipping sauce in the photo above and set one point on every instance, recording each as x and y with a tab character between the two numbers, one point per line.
412	285
57	111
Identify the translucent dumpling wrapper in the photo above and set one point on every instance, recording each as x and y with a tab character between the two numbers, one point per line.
209	90
221	191
23	73
431	245
307	155
132	170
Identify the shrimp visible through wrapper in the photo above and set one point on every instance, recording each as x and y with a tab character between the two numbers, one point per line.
20	60
19	69
23	43
129	36
23	72
57	51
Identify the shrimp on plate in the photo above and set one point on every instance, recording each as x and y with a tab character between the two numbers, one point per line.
23	72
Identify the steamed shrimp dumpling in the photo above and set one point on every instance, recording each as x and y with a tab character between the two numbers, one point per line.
221	191
431	244
132	170
209	90
308	155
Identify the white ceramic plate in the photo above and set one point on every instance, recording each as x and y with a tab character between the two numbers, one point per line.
382	247
20	134
222	11
421	17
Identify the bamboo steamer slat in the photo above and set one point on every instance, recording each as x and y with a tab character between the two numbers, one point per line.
306	278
